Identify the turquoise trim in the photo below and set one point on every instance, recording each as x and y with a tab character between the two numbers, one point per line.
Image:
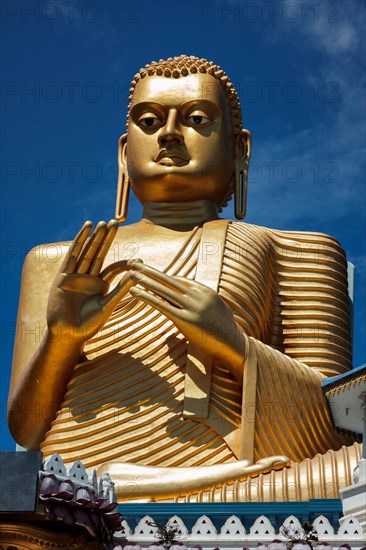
343	377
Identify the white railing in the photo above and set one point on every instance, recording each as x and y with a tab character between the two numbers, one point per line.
232	535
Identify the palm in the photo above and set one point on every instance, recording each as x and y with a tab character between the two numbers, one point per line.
73	303
79	303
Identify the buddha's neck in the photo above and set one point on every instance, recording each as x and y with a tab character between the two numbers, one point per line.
181	216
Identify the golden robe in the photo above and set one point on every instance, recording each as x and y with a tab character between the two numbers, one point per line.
143	395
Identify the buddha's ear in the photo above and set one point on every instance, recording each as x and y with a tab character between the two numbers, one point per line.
122	152
243	147
123	184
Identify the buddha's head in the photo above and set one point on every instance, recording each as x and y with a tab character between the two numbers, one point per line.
184	138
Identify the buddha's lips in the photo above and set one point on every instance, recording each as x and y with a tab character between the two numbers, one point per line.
164	153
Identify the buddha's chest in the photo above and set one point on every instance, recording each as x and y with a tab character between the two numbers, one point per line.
155	246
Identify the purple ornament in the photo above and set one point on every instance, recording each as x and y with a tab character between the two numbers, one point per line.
49	486
83	496
66	489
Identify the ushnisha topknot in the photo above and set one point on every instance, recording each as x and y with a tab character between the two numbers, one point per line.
184	65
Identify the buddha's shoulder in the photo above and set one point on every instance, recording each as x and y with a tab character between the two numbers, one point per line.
290	239
46	257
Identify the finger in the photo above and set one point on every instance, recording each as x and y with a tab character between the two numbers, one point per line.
90	249
110	272
71	258
267	464
277	461
169	294
104	247
115	296
166	308
273	458
167	280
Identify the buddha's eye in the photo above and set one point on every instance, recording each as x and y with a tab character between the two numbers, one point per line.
198	119
148	120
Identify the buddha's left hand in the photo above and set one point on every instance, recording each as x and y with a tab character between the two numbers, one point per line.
197	311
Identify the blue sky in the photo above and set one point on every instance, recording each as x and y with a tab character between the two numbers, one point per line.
66	67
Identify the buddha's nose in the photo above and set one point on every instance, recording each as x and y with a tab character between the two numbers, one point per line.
170	133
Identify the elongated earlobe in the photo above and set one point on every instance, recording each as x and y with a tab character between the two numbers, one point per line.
241	174
123	184
240	191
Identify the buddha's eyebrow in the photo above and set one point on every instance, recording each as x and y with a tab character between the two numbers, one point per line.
154	105
211	106
145	105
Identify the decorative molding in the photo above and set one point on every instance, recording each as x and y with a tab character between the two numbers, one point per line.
145	530
323	527
350	527
232	528
233	535
292	523
262	527
176	522
204	528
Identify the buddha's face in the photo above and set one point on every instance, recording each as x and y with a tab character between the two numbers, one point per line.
180	143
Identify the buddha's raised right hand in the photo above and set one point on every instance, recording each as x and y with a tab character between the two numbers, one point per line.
79	303
78	306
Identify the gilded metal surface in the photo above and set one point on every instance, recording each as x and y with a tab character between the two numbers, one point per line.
177	372
317	478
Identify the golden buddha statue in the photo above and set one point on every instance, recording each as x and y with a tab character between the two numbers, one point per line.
192	370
